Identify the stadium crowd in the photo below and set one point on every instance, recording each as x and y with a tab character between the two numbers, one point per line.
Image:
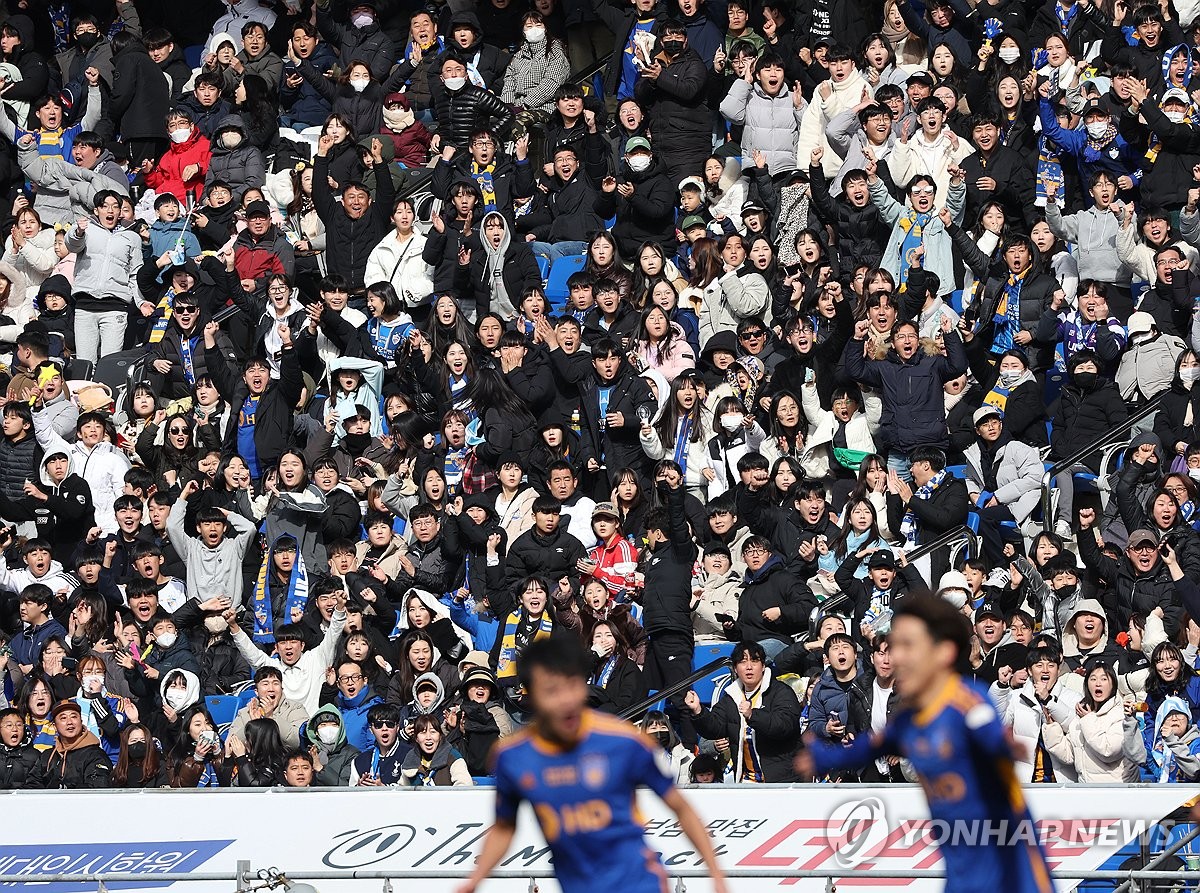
352	346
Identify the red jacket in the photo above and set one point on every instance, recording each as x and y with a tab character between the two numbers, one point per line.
167	176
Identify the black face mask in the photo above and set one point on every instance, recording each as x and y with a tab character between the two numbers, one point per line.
672	47
87	40
1085	380
357	443
663	738
137	751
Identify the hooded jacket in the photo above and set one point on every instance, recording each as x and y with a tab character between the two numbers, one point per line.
445	767
498	277
242	167
81	763
35	73
63	518
484	62
102	467
1074	657
240	14
167	175
1171	758
335	759
775	724
1025	715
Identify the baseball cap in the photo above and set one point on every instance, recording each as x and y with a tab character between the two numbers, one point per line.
63	707
1142	536
986	412
258	208
690	221
881	558
752	207
1178	95
988	609
636	142
1140	322
605	509
920	77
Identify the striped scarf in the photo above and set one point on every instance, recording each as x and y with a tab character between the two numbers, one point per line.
483	176
166	306
910	527
1008	314
511	646
752	771
297	596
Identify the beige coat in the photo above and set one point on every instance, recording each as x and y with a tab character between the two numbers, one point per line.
1099	745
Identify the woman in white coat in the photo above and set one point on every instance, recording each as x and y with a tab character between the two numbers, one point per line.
1103	743
397	259
30	249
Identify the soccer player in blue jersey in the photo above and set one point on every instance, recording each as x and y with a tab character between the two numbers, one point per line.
950	732
580	769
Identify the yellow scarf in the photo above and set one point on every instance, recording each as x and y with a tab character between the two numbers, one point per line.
506	665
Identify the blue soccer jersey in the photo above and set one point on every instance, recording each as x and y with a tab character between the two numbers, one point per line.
584	799
983	827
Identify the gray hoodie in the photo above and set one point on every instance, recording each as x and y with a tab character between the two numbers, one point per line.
211	572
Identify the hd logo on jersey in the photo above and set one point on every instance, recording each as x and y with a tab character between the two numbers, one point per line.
595	770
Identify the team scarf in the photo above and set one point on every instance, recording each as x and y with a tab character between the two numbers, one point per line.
1066	16
1008	314
752	771
602	676
506	666
434	49
681	442
1049	170
166	306
186	347
297	596
483	175
910	527
913	226
1093	149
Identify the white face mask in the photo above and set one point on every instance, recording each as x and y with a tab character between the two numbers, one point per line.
1174	116
215	624
362	19
181	135
1009	55
328	734
175	698
1008	379
231	140
535	35
359	85
1194	474
1097	129
1141	337
166	640
455	84
638	163
1190	373
731	421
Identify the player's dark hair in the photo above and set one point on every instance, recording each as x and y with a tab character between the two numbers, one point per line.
558	655
943	621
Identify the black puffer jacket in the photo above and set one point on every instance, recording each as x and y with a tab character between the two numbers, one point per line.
668	569
614	447
274	427
861	231
646	216
16	765
18	464
1088	26
1168	422
471	108
773	586
35	73
1082	416
553	556
349	241
1135	593
368	44
676	104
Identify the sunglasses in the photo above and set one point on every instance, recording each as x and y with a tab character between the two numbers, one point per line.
178	431
922	190
384	724
757	333
182	310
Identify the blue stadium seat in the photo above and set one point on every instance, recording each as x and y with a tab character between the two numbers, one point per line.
543	267
194	56
556	284
704	655
956	301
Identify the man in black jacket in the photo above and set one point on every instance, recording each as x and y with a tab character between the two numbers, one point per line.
354	227
642	199
611	404
939	503
546	549
17	753
483	165
672	90
792	530
462	108
758	715
774	604
667	598
570	217
996	172
60	505
77	760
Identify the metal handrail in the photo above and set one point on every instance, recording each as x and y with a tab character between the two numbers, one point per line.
636	710
1107	439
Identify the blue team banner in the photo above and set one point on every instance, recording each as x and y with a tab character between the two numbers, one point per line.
148	857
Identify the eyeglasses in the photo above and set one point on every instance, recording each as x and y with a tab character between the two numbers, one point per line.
757	333
279	290
479	144
355	677
756	550
1143	547
384	724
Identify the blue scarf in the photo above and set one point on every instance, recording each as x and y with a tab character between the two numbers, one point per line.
297	596
910	527
913	225
186	346
1066	16
681	442
601	677
1008	314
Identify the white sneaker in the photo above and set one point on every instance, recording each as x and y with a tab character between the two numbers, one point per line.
1063	529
